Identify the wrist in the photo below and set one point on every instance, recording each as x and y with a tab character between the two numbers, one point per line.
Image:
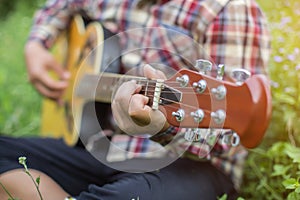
164	137
35	43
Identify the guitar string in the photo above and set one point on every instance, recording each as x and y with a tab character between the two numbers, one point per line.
177	88
189	90
153	87
151	81
152	90
185	105
156	81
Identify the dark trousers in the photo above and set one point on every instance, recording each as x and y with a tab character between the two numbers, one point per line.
84	177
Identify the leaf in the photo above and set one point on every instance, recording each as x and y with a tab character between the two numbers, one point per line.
277	149
285	98
223	197
37	180
280	170
290	183
294	153
293	196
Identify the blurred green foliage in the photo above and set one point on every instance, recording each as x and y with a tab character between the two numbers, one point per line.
8	6
273	169
19	103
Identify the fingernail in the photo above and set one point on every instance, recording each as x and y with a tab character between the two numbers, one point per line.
150	67
66	75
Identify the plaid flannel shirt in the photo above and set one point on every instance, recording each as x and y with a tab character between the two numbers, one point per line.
174	33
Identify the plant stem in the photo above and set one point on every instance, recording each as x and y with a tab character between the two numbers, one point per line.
7	192
22	161
35	184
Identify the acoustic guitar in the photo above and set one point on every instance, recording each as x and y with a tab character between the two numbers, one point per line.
187	99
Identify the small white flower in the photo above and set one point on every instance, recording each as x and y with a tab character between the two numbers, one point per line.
22	160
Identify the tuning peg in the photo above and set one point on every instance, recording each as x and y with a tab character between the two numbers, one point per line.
230	138
211	137
203	66
240	75
220	71
193	135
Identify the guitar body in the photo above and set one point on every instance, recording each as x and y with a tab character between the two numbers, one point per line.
74	49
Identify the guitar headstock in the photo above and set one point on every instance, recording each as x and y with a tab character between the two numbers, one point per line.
201	101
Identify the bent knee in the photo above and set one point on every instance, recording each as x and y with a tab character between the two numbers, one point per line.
22	185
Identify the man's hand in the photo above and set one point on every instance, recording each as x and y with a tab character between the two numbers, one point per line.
40	62
130	109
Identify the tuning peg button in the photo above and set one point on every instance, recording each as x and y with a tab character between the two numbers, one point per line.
203	66
240	75
219	92
198	115
179	115
200	86
218	116
183	80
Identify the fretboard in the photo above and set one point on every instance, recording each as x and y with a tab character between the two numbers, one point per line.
101	88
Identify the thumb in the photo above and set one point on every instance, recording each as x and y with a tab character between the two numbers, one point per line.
62	73
151	73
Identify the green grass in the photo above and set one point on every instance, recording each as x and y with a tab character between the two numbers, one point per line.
19	102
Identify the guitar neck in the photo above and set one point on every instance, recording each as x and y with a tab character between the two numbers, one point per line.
101	87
